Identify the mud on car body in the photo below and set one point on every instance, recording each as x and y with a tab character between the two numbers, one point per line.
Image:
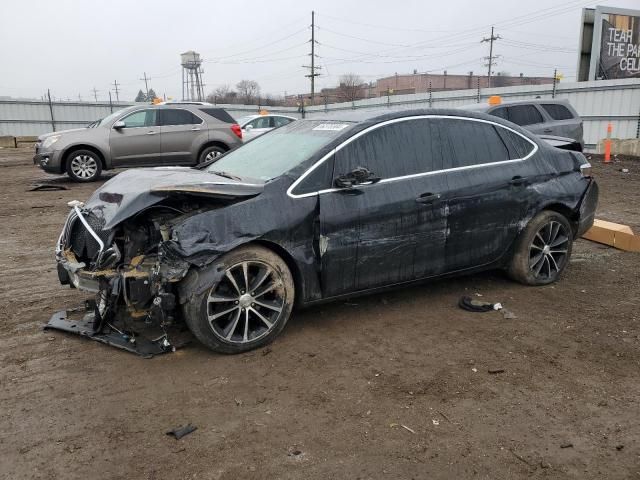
321	209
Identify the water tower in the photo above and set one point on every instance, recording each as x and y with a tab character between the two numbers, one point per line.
192	86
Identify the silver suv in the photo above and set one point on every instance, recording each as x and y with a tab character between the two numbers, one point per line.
139	136
553	120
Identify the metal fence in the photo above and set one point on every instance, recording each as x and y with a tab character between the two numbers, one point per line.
598	102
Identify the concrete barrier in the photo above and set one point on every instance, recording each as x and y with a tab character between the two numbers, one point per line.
620	146
7	141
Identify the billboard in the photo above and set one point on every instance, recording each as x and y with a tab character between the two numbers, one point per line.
610	44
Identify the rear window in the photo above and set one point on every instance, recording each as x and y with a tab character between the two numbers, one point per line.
178	116
557	111
219	114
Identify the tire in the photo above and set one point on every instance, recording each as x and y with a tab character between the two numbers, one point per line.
83	166
211	152
226	317
543	250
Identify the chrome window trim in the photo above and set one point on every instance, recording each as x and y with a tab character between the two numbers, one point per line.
415	175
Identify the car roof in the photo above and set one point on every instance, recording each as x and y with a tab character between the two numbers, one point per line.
376	115
485	106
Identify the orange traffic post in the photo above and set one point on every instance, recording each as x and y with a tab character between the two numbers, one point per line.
607	144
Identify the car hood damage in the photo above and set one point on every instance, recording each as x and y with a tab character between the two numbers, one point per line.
135	190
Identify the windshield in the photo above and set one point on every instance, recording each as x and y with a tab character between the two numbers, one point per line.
277	152
110	117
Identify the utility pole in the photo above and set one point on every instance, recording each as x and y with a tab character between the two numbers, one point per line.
95	94
490	58
115	86
312	73
146	84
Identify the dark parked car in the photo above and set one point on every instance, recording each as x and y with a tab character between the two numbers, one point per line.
555	121
322	209
139	136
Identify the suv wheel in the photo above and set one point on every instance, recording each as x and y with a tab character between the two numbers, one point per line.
246	302
211	153
83	166
542	250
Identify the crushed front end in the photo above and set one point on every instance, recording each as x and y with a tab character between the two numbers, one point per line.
130	274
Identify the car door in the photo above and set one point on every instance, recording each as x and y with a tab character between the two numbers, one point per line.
137	143
528	116
389	231
564	123
257	127
180	129
487	190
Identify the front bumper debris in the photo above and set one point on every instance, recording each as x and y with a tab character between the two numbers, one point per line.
144	340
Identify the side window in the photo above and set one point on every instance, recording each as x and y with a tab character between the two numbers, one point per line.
557	111
524	115
518	146
178	116
395	150
262	122
472	143
141	118
500	112
319	179
280	121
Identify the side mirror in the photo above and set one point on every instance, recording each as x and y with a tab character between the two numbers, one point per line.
119	124
357	176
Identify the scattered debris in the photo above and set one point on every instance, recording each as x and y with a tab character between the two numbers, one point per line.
619	447
624	170
467	303
444	416
238	402
435	421
181	431
521	458
566	445
41	206
408	429
496	370
508	314
474	370
544	464
44	187
266	351
295	453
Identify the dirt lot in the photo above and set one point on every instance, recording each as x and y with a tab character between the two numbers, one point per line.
388	386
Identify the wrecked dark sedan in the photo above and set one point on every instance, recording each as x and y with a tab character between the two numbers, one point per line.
322	209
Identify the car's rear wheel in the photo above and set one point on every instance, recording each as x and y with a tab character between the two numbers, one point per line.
83	166
246	304
211	153
543	249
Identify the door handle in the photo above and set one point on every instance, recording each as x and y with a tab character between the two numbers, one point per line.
548	130
427	198
195	129
151	133
517	180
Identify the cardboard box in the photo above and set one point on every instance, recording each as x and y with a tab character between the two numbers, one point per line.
614	234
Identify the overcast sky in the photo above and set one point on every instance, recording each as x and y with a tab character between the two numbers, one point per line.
73	46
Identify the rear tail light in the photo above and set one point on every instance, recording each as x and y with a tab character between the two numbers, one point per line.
585	170
235	128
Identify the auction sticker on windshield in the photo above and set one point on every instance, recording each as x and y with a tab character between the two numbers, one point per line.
331	126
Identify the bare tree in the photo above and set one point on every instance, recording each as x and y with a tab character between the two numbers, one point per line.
248	91
223	94
351	87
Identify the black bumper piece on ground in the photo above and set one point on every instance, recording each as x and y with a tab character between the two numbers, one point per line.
83	325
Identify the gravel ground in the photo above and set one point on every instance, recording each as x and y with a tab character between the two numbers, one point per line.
396	385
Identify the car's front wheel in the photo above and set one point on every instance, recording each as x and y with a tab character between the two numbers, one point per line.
543	249
245	305
83	166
